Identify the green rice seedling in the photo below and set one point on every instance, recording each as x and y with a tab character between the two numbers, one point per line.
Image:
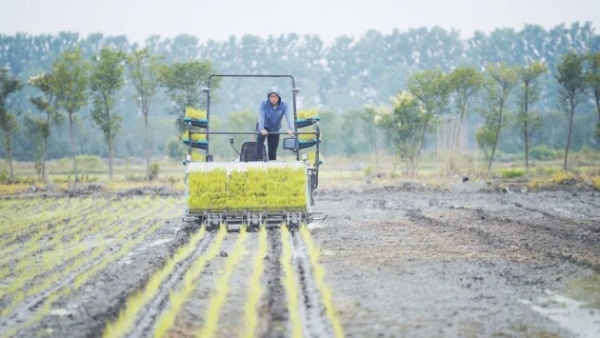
190	281
197	155
307	113
195	113
562	176
255	289
272	189
510	173
4	272
59	233
596	182
319	274
75	256
135	302
290	285
195	137
85	275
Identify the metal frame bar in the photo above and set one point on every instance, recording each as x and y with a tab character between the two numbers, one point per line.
294	92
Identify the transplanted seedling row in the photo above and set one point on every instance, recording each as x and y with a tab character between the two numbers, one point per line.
89	263
60	259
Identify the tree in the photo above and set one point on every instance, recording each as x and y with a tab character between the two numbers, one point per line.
404	125
46	103
9	85
71	86
592	78
572	81
105	83
145	75
464	82
501	82
184	82
430	89
529	94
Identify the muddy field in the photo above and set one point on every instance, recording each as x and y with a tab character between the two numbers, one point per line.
387	262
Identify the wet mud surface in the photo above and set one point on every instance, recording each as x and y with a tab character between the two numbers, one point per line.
399	262
425	264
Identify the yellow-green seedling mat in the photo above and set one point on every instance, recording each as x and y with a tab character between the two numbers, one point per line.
246	186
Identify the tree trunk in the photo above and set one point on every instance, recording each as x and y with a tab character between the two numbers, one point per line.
44	150
9	156
147	147
597	97
498	128
110	158
571	113
454	160
526	129
73	147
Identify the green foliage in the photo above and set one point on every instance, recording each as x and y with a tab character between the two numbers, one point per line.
464	83
592	78
105	83
354	76
529	93
405	126
71	79
486	137
511	173
9	86
184	82
543	153
86	163
499	84
145	71
154	171
572	81
174	148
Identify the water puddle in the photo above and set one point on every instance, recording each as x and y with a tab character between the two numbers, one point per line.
60	312
160	242
576	316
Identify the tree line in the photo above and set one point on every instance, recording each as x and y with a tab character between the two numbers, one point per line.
503	95
339	79
72	82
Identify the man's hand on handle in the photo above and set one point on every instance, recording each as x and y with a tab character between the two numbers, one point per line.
264	132
290	132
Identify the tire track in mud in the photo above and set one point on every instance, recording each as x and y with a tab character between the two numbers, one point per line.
315	324
255	289
534	238
593	225
33	309
189	283
305	313
219	297
276	296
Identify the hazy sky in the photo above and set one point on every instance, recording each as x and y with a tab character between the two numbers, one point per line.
219	19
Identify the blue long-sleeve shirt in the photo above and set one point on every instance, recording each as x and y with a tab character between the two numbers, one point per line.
270	116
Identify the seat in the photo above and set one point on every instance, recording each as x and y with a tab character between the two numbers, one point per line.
248	152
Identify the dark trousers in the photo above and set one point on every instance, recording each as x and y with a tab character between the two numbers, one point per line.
272	144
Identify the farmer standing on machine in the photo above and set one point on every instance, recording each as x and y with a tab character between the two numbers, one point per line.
271	113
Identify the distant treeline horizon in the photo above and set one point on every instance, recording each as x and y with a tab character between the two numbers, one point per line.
338	77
